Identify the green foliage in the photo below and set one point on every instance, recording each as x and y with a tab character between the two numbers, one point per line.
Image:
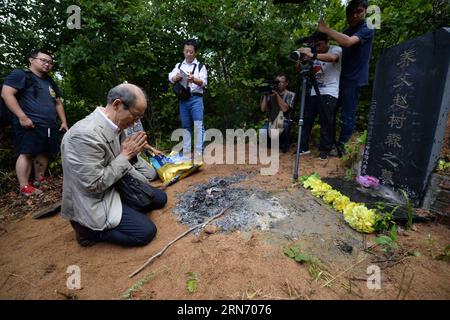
443	167
316	268
389	241
305	177
434	252
131	292
409	210
241	42
294	253
384	220
352	150
350	174
445	254
191	282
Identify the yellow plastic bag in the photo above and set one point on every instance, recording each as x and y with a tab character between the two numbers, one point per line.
171	168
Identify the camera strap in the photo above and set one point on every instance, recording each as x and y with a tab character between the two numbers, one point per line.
200	66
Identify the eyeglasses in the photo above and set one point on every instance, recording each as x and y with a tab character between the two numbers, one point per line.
45	61
136	116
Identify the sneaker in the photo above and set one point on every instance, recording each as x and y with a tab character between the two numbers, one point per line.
333	152
42	180
29	190
340	150
323	155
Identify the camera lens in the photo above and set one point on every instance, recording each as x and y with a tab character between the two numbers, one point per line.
295	56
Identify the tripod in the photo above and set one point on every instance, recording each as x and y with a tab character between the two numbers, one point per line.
306	80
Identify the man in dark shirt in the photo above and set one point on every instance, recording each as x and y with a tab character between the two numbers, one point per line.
356	43
33	98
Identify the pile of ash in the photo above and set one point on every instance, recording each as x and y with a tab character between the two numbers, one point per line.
251	208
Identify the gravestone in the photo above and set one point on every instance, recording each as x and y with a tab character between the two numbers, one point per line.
409	112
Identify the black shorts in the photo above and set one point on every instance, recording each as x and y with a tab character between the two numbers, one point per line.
38	140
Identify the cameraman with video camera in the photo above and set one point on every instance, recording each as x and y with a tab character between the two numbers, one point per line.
326	66
278	101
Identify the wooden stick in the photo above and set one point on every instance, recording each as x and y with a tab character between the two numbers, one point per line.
178	238
345	271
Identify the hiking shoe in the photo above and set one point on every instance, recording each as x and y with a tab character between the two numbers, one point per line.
29	190
323	155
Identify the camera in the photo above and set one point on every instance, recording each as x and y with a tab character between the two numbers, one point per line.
308	42
268	86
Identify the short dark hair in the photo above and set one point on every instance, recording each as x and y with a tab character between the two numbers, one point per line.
281	74
127	96
191	42
320	36
353	4
34	53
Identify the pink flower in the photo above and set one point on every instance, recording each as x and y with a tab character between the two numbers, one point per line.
368	181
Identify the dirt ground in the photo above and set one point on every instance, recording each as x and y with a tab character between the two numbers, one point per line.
36	254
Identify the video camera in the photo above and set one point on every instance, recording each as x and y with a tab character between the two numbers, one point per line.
309	42
267	87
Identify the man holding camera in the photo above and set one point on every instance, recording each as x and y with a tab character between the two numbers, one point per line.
326	65
278	104
191	109
356	42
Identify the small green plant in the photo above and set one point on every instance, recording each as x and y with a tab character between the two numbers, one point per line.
316	268
352	151
191	282
433	251
431	245
445	255
131	292
389	241
350	175
409	210
443	167
384	221
305	177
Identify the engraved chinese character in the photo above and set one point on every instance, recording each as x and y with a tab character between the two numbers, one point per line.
407	58
392	159
400	101
397	121
401	81
393	140
386	176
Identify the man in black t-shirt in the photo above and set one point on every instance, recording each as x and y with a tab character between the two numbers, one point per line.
356	42
34	99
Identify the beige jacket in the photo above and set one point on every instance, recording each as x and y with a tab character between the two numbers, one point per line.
92	164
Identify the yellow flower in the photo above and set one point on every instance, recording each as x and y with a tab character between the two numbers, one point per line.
355	214
310	181
360	218
331	196
348	208
319	189
340	203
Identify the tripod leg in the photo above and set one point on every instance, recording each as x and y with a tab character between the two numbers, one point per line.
300	126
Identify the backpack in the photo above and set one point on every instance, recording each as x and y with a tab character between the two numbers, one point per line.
181	92
5	114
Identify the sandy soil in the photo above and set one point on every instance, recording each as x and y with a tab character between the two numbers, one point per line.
36	254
